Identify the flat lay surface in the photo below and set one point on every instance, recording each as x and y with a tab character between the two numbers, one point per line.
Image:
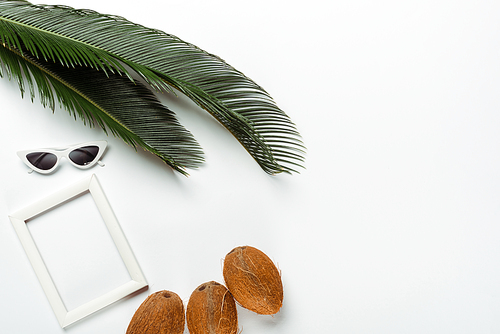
393	226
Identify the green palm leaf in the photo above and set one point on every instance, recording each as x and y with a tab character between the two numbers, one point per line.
129	110
82	37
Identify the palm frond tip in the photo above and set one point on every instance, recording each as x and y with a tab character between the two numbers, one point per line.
75	38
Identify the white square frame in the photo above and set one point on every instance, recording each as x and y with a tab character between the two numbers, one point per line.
91	185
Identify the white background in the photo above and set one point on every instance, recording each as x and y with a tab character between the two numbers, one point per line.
393	227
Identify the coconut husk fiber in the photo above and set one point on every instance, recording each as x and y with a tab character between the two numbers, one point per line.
211	310
161	313
253	279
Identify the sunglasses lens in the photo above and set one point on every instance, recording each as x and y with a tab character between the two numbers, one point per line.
84	155
42	160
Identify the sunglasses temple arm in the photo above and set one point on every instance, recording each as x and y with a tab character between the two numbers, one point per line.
101	163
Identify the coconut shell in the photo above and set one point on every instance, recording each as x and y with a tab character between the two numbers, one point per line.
253	279
161	313
211	310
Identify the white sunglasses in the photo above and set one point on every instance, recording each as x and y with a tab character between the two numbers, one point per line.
45	160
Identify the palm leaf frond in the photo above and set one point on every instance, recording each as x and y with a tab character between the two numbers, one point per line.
164	61
129	110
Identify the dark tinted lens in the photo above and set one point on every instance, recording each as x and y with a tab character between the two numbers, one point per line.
84	155
42	160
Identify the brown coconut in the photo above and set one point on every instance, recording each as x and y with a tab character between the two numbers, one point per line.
253	279
161	313
211	310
